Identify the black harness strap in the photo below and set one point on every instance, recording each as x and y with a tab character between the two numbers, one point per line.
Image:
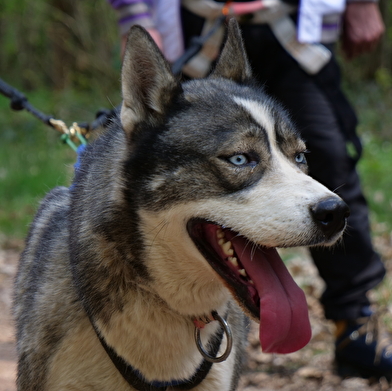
135	378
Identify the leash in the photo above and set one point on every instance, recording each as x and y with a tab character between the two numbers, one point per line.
20	102
77	133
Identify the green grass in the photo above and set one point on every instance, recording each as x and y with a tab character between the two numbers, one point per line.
33	160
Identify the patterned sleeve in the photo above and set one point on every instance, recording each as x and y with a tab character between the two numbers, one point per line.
130	12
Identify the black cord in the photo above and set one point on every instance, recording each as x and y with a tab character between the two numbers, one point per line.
20	102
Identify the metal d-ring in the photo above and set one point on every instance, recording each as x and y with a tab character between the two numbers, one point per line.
229	340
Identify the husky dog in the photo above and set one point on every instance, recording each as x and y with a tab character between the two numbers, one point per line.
138	276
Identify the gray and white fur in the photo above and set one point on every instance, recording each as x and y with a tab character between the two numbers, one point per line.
114	250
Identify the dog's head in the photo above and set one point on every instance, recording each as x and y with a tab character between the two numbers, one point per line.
219	173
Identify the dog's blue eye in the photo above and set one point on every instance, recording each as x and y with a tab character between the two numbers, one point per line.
238	160
300	158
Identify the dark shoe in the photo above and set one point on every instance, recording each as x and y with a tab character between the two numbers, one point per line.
364	349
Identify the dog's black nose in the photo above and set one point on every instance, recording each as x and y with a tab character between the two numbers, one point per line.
330	215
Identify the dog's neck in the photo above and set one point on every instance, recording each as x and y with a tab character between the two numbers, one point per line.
157	333
137	380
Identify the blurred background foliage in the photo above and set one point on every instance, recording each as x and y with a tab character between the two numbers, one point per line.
59	44
64	55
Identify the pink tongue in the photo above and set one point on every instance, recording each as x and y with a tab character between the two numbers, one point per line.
284	321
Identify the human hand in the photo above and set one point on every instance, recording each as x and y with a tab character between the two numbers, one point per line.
362	28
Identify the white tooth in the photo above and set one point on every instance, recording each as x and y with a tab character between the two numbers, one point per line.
233	261
251	282
226	247
220	234
221	242
242	272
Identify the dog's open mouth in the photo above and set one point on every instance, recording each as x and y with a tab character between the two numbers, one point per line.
260	282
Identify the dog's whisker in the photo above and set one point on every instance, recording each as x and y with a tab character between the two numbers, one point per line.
248	242
253	251
159	226
162	225
337	188
110	101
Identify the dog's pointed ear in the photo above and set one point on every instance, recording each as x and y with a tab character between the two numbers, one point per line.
233	62
148	85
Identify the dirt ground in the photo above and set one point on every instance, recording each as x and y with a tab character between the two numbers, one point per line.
310	369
